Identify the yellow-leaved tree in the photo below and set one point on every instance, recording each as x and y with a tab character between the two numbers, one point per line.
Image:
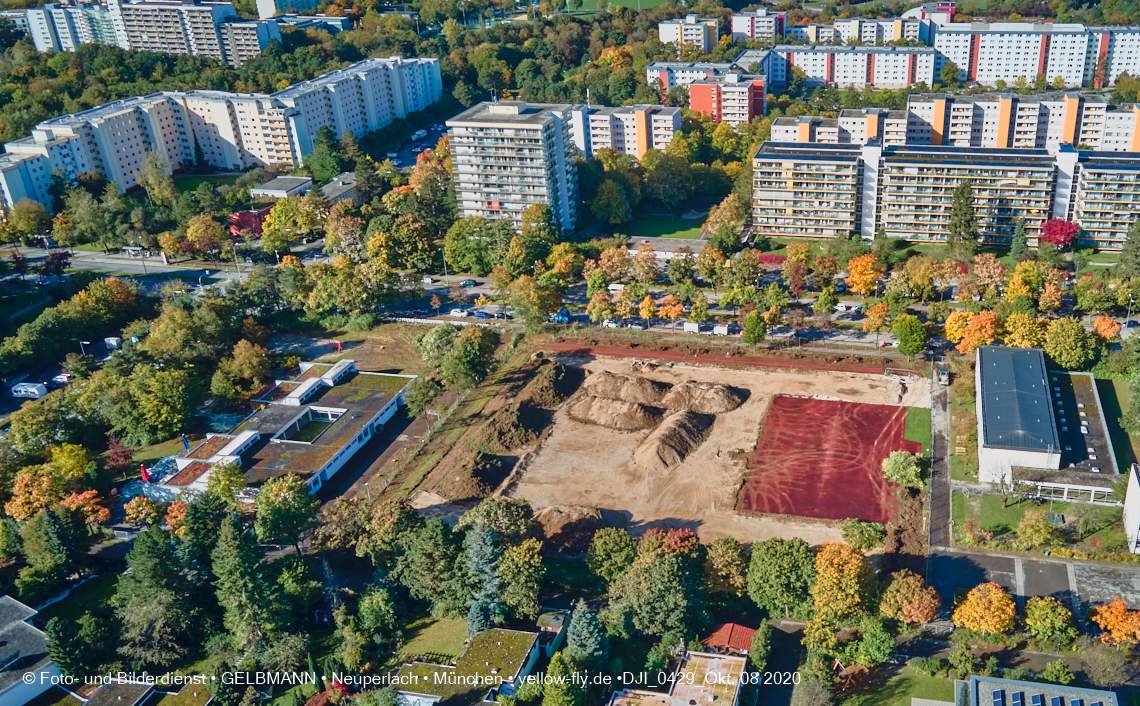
844	582
987	608
1024	331
862	274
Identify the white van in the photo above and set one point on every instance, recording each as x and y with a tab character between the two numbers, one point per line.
615	288
30	390
419	134
720	330
692	328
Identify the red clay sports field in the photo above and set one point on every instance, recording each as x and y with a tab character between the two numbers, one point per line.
821	458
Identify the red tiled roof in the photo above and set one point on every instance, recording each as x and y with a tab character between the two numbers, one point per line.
730	635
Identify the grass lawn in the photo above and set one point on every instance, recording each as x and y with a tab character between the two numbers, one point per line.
900	689
189	183
1116	397
429	637
957	509
84	599
987	512
679	228
918	427
160	450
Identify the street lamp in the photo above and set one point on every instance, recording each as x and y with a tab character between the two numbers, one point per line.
444	256
1127	318
368	490
200	279
82	349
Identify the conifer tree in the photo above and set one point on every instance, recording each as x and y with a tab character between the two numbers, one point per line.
434	569
1129	263
586	641
482	554
962	236
241	586
65	648
1019	247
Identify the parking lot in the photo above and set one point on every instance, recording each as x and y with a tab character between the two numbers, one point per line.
405	154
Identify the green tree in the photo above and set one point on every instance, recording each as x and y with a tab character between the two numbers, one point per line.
285	509
950	75
470	359
902	467
1049	620
755	329
876	643
962	234
482	553
433	569
612	551
153	601
963	660
780	576
761	647
476	245
512	519
611	204
560	690
242	589
1057	672
911	334
521	571
1019	246
659	594
586	641
1069	345
66	649
226	482
154	176
29	219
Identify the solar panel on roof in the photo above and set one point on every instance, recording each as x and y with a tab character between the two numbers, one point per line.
999	697
1057	701
1018	699
1037	700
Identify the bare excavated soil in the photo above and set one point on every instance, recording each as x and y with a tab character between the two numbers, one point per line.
583	464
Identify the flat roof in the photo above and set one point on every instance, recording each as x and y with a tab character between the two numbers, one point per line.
120	694
345	181
848	49
495	656
283	183
1013	396
982	692
808	151
189	474
23	648
637	697
511	113
707	678
208	448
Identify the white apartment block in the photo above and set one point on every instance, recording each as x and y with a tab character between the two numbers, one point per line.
234	130
855	66
671	74
814	33
834	190
630	129
870	31
510	155
758	24
18	18
690	30
267	9
852	127
176	27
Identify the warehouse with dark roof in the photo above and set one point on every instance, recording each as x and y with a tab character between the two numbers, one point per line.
1016	424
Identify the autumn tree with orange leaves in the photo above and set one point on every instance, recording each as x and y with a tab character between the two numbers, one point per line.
981	331
908	598
89	505
862	274
955	326
1106	328
670	307
1120	626
844	582
987	608
877	319
31	494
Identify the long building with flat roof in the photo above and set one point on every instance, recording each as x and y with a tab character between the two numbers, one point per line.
1015	413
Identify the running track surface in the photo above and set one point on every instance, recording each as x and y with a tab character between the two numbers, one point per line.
766	362
821	458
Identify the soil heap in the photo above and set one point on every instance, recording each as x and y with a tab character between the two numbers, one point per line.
668	445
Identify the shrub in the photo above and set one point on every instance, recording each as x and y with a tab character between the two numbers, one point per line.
863	535
361	323
334	321
927	666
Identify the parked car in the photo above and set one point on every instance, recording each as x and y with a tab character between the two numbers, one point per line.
29	390
427	280
62	379
562	317
461	313
467	283
635	325
483	315
609	323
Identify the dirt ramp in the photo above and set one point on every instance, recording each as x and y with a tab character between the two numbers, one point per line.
614	414
568	529
677	437
701	397
627	388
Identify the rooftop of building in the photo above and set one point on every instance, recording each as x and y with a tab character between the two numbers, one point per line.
208	447
748	57
1015	27
511	113
976	156
284	183
1109	160
808	151
189	474
1014	399
688	19
637	697
351	71
707	678
848	49
1045	97
190	695
495	656
23	648
655	109
340	185
729	79
981	691
120	693
694	65
731	636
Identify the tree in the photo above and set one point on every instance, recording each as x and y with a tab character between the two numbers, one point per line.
65	648
29	219
987	608
242	589
1059	232
981	330
755	329
659	595
612	551
949	75
877	319
780	576
843	582
726	567
560	689
863	274
153	603
521	570
205	234
1069	344
226	482
963	660
1034	529
470	359
611	204
1057	672
1119	626
1106	328
600	307
1019	246
670	307
962	233
911	334
431	570
1024	331
285	509
31	494
88	505
586	641
909	599
532	303
1049	620
902	467
876	643
154	176
141	511
1104	667
761	647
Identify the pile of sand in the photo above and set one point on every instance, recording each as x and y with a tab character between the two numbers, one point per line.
677	437
614	414
701	397
568	529
628	388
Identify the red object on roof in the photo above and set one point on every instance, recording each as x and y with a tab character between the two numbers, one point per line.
730	635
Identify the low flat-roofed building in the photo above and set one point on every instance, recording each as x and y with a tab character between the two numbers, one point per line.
120	693
1016	427
991	691
705	678
496	660
23	649
637	697
282	187
341	188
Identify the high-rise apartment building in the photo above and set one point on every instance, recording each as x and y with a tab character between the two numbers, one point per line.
732	98
671	74
869	31
761	23
233	130
267	9
693	31
173	26
856	66
629	129
906	191
852	127
18	18
814	33
510	155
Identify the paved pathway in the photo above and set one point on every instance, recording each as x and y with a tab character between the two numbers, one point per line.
362	474
940	467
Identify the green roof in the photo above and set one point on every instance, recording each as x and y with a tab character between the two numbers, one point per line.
492	658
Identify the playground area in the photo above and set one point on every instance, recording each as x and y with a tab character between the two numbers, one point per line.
833	473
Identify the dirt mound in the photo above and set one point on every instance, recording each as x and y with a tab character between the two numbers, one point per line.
627	388
614	414
701	397
551	385
476	478
677	437
568	529
509	429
